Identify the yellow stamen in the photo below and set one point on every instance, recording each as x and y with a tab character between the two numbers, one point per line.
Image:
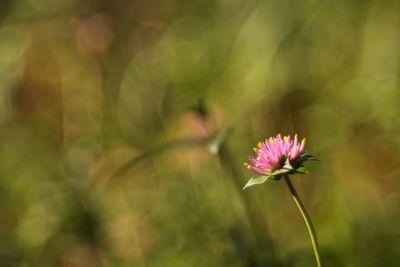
303	141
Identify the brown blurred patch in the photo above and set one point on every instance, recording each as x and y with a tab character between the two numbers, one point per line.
367	161
83	256
94	33
37	98
199	123
195	124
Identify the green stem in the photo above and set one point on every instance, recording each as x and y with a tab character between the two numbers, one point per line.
307	220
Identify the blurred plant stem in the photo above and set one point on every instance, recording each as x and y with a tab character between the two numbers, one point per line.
307	220
157	150
256	218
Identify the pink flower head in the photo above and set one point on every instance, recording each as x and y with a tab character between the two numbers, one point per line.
274	153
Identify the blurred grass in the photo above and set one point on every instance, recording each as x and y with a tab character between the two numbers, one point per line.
89	87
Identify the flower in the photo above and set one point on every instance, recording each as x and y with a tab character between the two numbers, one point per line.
277	156
274	153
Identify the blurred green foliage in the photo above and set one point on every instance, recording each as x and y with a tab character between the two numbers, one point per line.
113	145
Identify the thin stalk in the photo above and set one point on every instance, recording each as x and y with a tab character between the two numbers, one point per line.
307	220
157	150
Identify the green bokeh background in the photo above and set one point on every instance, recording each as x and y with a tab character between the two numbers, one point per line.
124	126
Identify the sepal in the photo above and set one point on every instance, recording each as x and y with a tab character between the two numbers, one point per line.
257	180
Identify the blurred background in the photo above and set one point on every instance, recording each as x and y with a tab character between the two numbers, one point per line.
124	126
